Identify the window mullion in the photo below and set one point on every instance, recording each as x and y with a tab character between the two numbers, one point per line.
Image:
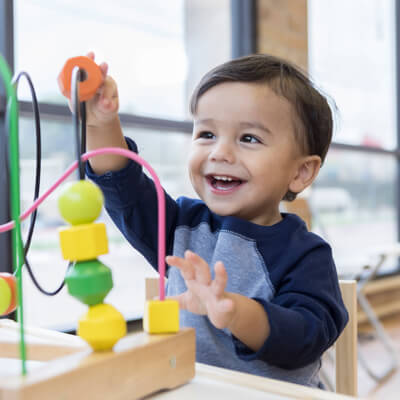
7	50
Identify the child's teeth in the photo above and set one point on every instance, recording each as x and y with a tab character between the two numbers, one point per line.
223	178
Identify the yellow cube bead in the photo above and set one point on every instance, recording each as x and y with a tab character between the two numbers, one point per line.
102	326
161	316
83	242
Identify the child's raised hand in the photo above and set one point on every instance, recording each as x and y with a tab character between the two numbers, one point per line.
204	295
103	107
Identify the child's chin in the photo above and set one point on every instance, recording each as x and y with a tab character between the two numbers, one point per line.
222	211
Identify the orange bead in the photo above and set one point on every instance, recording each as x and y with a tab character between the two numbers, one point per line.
8	292
89	86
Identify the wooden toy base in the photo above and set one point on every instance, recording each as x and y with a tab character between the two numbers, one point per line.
139	364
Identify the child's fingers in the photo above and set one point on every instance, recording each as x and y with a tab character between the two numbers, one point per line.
183	265
90	54
220	280
202	270
108	95
109	88
104	68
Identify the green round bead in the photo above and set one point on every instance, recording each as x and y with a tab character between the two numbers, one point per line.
89	281
80	202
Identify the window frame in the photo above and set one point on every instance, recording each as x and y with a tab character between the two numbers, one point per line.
7	50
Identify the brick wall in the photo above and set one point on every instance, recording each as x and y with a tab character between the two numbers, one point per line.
282	29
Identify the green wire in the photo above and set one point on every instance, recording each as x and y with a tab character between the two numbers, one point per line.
18	253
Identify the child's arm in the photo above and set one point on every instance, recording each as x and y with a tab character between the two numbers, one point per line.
244	317
103	125
130	196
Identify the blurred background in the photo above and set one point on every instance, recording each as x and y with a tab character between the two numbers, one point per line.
157	51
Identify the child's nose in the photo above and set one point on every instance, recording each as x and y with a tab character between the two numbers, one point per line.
223	151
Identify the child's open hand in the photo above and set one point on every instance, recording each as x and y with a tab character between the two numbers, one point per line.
204	295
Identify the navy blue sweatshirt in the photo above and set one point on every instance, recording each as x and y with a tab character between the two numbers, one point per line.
287	269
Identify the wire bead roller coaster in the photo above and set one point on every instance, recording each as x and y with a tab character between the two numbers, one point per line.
83	240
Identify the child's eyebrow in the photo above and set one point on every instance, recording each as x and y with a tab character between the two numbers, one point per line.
253	124
205	121
243	125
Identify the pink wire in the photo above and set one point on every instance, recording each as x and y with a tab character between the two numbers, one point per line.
160	196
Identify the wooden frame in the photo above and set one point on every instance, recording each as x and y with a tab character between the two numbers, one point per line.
139	364
346	345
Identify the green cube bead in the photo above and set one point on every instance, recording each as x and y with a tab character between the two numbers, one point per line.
89	281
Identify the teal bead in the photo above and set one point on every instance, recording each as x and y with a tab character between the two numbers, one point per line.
89	281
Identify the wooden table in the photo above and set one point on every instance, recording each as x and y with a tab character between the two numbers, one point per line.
208	382
222	384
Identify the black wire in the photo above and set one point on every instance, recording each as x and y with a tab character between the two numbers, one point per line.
36	283
80	140
83	132
36	114
75	105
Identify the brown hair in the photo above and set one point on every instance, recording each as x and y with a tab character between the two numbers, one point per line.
311	107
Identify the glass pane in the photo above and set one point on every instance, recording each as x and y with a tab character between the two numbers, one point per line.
152	47
356	211
129	268
351	55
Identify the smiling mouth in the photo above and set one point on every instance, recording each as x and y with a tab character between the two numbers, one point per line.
223	182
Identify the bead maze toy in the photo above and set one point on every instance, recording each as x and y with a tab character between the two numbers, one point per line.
112	364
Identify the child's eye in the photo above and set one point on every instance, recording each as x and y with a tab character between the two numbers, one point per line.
205	135
249	139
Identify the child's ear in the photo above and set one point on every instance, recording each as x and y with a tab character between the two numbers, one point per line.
307	171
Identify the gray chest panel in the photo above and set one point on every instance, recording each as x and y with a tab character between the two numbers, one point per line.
247	272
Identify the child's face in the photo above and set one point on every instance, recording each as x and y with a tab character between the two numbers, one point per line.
244	155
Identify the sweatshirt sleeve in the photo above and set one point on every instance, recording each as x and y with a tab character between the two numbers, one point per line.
306	315
131	201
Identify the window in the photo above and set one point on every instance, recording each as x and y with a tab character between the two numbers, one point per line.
351	53
155	49
360	205
351	57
